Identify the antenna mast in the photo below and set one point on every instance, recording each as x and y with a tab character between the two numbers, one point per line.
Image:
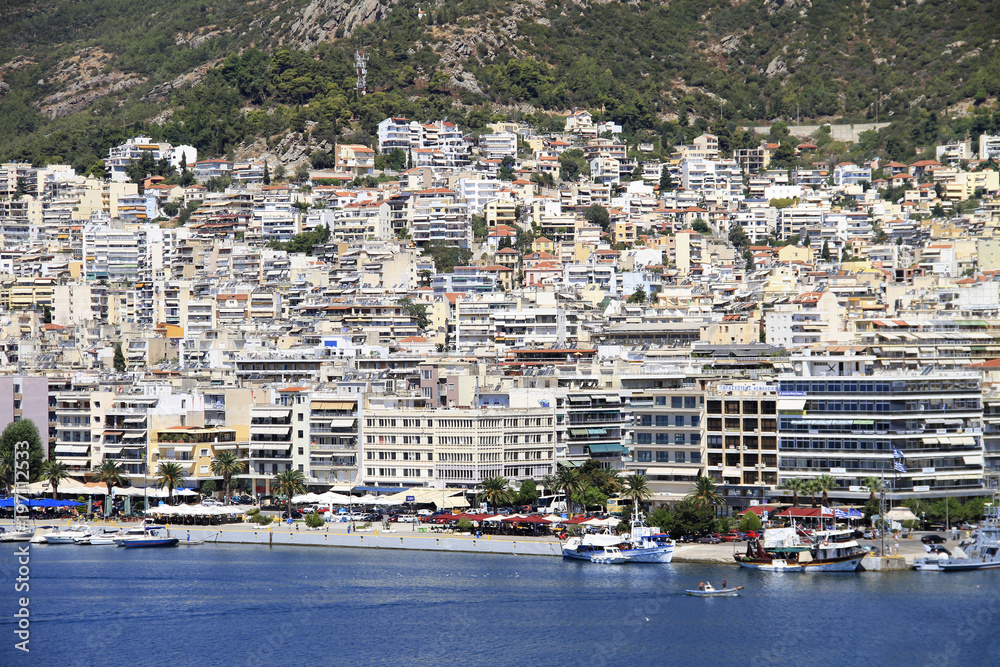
361	67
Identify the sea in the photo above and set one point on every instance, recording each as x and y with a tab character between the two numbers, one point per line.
250	605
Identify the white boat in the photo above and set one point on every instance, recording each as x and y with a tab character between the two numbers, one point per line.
67	535
99	537
18	534
610	556
146	537
710	591
982	552
644	544
929	563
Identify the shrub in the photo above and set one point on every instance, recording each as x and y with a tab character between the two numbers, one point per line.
465	526
314	520
261	519
750	521
253	510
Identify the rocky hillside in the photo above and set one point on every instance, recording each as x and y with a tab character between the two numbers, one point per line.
76	76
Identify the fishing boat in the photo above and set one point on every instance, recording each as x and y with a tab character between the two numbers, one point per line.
610	556
982	551
146	537
642	544
781	550
711	592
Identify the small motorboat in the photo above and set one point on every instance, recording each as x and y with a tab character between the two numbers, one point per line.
99	537
610	556
67	535
142	537
711	592
19	534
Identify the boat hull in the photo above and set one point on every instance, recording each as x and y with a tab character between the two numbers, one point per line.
61	539
646	555
963	565
17	536
850	564
148	543
727	593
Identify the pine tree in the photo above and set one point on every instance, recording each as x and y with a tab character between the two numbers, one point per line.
119	358
267	174
825	254
666	183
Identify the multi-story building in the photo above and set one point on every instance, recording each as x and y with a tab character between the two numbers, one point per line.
279	437
921	433
333	433
667	442
595	426
741	438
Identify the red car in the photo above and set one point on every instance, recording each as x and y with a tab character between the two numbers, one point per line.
734	537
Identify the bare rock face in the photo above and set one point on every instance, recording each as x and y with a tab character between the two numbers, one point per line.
161	92
773	6
321	19
776	67
85	77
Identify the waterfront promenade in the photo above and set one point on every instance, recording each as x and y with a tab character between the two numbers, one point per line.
407	536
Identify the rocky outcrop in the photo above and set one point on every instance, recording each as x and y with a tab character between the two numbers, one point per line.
84	78
323	20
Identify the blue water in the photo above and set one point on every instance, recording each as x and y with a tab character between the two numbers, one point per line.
245	605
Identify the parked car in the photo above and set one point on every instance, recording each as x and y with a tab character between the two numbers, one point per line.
754	534
937	549
208	502
933	539
295	514
734	537
713	538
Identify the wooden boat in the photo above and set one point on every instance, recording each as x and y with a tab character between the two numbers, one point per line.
710	592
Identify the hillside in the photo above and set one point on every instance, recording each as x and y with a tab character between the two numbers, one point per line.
78	76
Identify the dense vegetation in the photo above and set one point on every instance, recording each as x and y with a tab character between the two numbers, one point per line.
665	71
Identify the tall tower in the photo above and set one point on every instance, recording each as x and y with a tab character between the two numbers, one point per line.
361	67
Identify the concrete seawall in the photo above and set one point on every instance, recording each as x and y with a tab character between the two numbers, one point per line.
370	540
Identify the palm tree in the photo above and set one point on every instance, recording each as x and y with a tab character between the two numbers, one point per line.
637	489
568	482
796	486
825	484
874	486
169	475
54	472
703	493
227	464
112	474
289	483
811	487
496	491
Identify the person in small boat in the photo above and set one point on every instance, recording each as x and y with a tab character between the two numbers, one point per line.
701	585
723	584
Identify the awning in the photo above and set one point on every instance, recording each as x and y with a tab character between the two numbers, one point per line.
578	431
612	399
597	431
177	447
270	446
333	405
794	404
272	430
608	449
71	449
968	440
931	441
864	422
973	459
135	419
113	449
341	423
578	399
114	433
259	411
668	470
911	350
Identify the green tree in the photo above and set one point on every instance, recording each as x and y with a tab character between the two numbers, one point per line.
825	484
702	227
637	489
170	475
825	253
289	483
796	486
496	491
396	159
479	228
568	482
314	520
111	474
666	182
874	486
302	173
598	215
638	296
738	237
226	464
22	430
572	164
267	174
589	496
750	521
704	493
54	472
692	518
418	311
208	487
528	493
811	488
119	359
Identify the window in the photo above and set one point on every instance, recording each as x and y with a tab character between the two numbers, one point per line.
300	451
680	457
643	438
690	402
300	416
661	400
676	401
696	438
695	457
663	420
663	457
679	420
204	452
695	420
645	456
300	433
678	438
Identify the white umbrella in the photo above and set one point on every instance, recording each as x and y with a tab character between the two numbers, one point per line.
900	514
497	518
554	518
333	498
386	501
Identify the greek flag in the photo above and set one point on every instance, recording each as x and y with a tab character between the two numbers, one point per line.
841	514
899	467
896	454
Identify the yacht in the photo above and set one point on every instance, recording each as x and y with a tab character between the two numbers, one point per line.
17	534
982	551
99	536
146	537
643	544
67	535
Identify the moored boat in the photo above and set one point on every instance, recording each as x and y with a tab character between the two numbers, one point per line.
67	535
610	556
780	550
146	537
643	544
982	552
